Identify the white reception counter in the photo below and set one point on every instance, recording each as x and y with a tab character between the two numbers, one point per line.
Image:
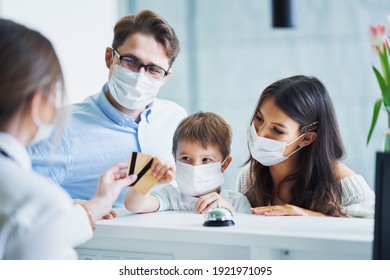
181	235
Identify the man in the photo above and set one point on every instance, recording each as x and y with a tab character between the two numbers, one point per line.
125	116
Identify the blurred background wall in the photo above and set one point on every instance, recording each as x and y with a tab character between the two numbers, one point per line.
229	54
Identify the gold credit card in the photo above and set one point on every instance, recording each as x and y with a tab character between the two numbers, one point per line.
140	164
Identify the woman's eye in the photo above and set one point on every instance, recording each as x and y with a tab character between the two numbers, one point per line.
259	118
278	131
185	158
207	160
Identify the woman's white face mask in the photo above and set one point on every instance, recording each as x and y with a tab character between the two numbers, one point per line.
43	132
132	90
266	151
197	180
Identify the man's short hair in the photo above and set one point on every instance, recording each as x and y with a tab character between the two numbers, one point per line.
206	129
148	23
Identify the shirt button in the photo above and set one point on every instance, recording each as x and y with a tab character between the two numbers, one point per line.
120	123
126	119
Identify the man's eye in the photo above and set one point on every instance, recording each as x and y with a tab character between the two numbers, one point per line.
154	70
131	62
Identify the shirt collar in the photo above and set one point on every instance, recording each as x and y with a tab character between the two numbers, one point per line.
115	115
15	150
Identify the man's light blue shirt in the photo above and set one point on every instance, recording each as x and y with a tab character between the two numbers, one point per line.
98	136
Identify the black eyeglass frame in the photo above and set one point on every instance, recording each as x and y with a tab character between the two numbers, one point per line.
141	65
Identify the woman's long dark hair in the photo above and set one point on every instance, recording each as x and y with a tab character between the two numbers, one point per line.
315	186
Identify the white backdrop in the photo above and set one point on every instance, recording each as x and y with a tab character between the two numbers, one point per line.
80	32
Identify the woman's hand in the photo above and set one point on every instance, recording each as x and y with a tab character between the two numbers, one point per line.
110	185
111	215
212	200
163	170
284	210
112	181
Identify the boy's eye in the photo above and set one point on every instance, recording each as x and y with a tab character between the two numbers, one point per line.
185	158
207	160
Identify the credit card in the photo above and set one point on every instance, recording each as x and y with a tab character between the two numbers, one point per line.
140	164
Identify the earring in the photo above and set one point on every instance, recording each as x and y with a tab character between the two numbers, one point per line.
300	146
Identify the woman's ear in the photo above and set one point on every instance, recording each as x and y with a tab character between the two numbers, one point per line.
227	162
36	104
308	138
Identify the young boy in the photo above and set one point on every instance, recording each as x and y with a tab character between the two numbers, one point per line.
201	148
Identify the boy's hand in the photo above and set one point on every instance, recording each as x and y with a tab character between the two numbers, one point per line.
207	201
163	170
212	200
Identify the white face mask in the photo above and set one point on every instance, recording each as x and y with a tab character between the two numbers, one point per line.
132	90
197	180
267	151
43	132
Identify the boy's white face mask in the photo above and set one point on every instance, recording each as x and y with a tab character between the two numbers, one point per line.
197	180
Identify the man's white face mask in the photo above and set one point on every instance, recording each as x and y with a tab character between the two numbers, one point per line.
132	90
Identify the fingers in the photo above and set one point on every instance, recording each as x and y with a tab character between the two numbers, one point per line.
117	167
160	168
278	210
127	181
107	217
259	210
206	202
207	207
119	175
268	210
113	173
167	178
113	213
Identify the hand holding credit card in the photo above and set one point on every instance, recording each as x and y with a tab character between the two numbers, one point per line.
140	164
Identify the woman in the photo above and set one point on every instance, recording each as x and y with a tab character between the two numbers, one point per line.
38	219
295	148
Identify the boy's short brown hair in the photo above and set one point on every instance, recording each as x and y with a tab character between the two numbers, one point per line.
206	128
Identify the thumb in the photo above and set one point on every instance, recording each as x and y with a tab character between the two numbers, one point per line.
126	181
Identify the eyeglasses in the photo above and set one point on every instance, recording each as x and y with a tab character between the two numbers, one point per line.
134	65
